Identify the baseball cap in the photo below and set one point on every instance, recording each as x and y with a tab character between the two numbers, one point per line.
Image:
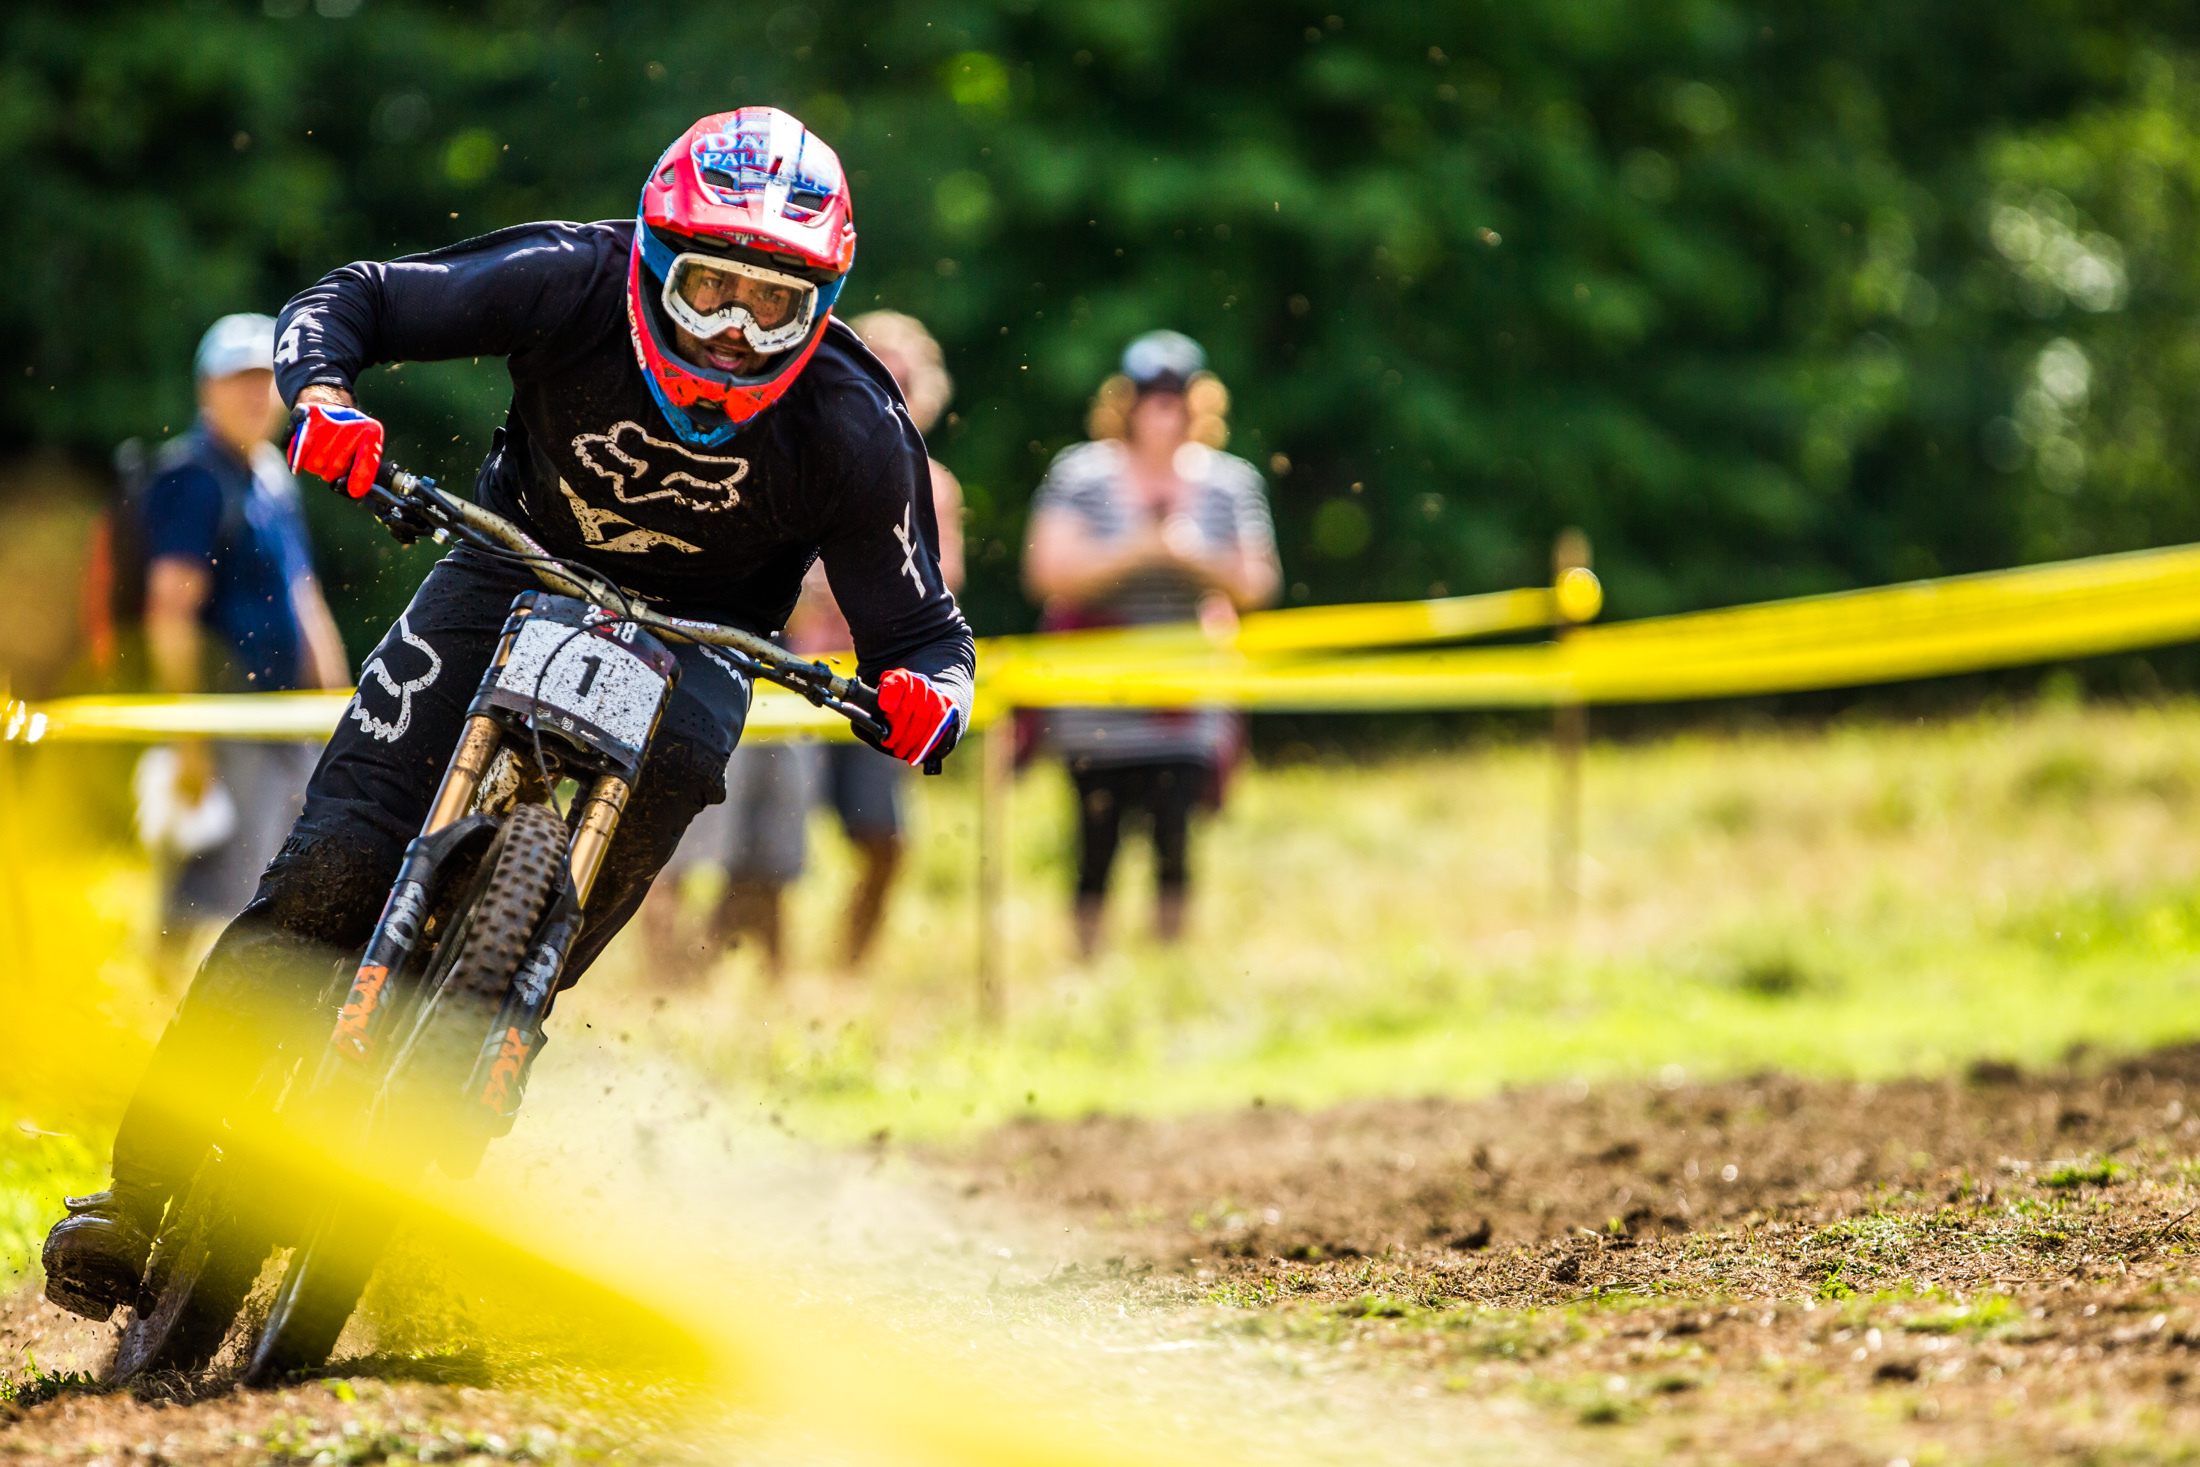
1163	361
236	343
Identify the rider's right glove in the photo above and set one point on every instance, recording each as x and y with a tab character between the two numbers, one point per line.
922	722
340	444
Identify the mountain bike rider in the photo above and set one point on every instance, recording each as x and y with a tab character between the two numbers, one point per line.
687	418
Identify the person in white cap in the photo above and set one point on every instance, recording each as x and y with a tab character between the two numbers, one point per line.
231	605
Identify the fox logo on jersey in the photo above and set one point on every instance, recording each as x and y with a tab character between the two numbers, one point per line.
626	456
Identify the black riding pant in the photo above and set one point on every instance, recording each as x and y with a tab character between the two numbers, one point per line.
320	897
1165	791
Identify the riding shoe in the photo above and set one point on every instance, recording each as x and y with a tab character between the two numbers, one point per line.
95	1257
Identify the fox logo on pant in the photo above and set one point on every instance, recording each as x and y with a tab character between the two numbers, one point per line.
377	674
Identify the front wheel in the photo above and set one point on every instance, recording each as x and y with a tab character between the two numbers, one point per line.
421	1111
202	1267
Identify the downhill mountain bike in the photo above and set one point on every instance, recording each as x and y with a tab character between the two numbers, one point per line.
436	1030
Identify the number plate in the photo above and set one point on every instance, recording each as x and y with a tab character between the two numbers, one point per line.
584	677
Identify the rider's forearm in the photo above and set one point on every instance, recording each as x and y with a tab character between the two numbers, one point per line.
333	396
501	295
881	559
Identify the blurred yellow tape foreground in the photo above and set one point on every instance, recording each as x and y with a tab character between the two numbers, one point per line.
1317	659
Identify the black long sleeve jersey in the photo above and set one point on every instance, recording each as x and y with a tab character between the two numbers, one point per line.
588	464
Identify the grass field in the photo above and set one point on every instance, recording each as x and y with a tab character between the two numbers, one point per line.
1862	901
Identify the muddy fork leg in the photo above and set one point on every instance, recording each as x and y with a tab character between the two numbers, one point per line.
600	812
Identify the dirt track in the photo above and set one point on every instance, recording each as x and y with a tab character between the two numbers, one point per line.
1763	1270
438	1408
1991	1269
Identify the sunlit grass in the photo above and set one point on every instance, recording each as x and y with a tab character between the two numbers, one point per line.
1870	901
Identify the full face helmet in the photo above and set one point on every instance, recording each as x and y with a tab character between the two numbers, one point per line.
745	234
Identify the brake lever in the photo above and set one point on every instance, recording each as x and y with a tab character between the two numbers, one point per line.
402	517
861	709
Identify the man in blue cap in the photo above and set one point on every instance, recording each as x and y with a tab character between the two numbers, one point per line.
231	605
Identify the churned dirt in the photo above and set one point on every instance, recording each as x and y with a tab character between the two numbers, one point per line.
1999	1267
448	1407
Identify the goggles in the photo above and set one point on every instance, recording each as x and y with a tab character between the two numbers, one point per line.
709	296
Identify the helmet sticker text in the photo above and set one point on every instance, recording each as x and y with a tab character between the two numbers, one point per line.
766	149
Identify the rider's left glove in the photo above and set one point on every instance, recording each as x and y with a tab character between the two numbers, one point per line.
921	721
340	444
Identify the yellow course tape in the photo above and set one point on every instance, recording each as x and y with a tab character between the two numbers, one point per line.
1922	629
1325	658
777	714
1299	630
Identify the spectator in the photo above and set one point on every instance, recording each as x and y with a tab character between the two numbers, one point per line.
231	604
758	837
769	787
1148	522
863	785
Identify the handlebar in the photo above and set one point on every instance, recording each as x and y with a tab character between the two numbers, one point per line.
411	505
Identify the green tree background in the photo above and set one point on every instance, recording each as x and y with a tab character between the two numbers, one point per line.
1770	298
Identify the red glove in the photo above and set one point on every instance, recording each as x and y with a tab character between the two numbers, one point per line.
921	721
340	444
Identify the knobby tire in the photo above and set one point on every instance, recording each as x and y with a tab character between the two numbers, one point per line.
202	1268
483	949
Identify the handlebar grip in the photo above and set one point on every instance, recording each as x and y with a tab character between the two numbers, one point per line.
860	704
862	700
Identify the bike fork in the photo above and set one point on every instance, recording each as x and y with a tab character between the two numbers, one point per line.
499	1078
600	814
397	934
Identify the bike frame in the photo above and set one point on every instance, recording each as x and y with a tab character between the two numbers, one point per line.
411	506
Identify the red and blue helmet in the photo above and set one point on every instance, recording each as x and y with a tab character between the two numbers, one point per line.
745	226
